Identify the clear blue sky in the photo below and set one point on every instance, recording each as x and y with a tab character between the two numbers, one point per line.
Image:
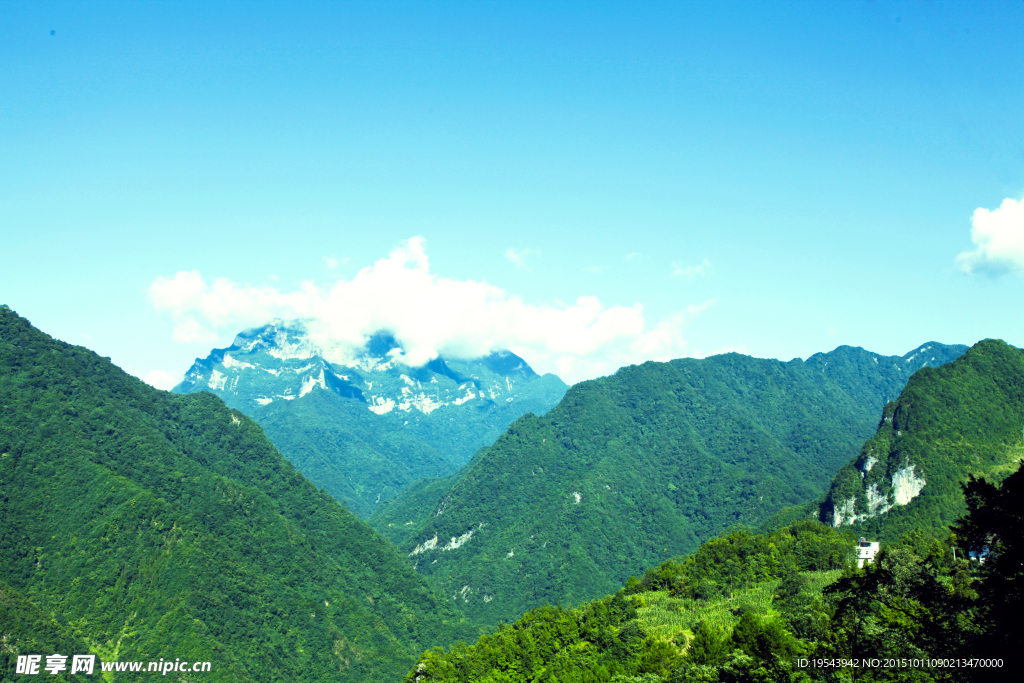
807	171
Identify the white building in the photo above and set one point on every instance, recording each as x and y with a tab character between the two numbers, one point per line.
866	551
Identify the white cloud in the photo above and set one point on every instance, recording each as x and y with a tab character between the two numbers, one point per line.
429	315
998	236
633	255
518	256
596	270
160	380
690	272
330	262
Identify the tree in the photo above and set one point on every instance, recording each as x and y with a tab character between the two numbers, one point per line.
993	533
709	646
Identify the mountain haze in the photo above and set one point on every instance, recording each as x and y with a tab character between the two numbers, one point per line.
363	424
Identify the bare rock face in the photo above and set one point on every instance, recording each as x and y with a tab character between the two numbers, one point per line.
960	419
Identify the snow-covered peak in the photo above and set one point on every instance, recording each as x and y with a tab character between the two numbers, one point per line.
283	361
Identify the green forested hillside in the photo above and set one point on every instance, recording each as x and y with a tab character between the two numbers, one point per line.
785	607
873	379
962	419
366	459
636	467
739	609
360	458
398	519
25	628
147	525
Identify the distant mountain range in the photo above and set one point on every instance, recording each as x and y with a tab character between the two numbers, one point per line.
138	525
961	419
363	424
633	468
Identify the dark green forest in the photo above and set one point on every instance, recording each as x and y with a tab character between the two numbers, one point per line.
137	524
950	423
364	460
25	628
784	606
630	469
946	585
358	457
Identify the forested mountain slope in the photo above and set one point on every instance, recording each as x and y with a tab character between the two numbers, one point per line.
362	424
26	629
964	418
152	525
872	379
741	608
633	468
786	606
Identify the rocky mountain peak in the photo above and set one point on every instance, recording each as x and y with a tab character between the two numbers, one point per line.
282	361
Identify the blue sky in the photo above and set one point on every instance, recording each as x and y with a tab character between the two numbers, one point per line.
773	178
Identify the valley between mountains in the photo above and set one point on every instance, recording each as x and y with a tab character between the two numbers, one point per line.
324	513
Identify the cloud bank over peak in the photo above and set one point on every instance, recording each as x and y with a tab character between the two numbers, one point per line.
998	236
428	315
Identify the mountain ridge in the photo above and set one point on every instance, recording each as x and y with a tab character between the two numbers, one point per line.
639	466
960	420
361	423
154	524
